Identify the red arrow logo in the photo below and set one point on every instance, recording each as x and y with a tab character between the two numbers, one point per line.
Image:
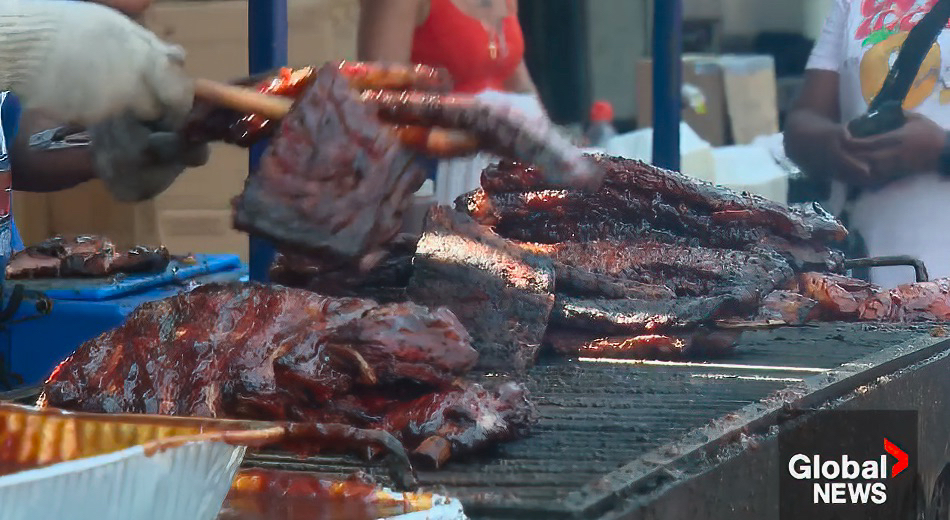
898	454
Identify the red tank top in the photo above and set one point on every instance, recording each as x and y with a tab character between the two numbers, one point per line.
459	43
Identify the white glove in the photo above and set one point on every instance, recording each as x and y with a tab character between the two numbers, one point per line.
137	162
82	62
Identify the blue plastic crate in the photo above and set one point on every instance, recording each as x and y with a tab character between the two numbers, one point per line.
84	308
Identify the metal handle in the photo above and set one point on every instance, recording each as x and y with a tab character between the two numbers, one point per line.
920	270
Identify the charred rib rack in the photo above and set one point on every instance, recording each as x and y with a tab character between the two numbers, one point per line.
268	353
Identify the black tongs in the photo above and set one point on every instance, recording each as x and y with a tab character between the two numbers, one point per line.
885	112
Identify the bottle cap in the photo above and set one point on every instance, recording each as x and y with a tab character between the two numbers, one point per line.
601	112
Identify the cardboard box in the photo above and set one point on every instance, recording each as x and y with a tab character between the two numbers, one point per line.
705	73
193	215
740	92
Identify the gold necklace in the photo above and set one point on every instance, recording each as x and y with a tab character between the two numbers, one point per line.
496	34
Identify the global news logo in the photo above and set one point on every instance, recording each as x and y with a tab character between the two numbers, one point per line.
848	481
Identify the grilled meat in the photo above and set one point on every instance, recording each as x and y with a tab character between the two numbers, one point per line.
338	176
699	343
635	317
838	297
790	307
256	352
685	271
922	301
83	256
501	293
629	179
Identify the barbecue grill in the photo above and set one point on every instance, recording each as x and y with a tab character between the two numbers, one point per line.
668	440
680	440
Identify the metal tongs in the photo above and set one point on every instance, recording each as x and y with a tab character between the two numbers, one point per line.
60	138
885	112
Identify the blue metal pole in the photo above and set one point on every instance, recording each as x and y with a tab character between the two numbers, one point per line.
267	49
667	82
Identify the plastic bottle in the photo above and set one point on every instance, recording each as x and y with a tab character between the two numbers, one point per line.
601	127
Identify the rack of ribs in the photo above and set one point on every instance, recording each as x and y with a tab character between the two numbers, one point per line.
343	164
270	353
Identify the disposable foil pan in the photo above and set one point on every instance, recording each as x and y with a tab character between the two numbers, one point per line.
443	508
79	466
184	482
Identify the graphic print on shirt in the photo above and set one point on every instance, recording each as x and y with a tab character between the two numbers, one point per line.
884	27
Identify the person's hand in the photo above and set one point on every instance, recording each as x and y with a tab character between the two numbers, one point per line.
911	149
82	62
137	162
846	165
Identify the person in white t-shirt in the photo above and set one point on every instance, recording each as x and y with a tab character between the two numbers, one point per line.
889	189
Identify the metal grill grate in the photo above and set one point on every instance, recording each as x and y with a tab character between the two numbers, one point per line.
597	417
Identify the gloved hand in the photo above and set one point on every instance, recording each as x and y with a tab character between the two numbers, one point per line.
137	162
82	62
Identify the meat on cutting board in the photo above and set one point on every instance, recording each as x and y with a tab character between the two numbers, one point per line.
501	293
83	256
271	353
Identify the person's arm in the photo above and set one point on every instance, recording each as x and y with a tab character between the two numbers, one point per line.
45	171
815	139
521	81
386	28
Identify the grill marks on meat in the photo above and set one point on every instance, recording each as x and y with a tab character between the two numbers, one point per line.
83	256
501	293
269	353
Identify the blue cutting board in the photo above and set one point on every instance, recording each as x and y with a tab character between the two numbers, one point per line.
117	286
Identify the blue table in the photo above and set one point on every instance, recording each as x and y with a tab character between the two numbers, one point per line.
82	309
